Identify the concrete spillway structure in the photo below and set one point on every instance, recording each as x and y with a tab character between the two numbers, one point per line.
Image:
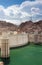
4	48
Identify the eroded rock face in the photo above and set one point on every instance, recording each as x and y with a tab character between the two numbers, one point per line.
29	26
6	26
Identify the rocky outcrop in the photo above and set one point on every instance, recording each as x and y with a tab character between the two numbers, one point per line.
29	26
6	26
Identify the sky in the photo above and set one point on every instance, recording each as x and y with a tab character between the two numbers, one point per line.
18	11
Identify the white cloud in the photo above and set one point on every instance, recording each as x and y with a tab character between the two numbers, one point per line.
24	14
35	11
18	13
11	9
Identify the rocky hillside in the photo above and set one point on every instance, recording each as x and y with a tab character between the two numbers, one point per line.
6	26
29	26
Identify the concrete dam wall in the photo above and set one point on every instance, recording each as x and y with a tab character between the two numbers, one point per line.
9	40
15	40
20	39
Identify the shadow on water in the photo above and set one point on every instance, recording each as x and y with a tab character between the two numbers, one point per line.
6	61
20	46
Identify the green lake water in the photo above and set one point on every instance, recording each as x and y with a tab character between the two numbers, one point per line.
28	55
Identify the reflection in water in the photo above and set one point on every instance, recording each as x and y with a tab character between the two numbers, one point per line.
6	61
